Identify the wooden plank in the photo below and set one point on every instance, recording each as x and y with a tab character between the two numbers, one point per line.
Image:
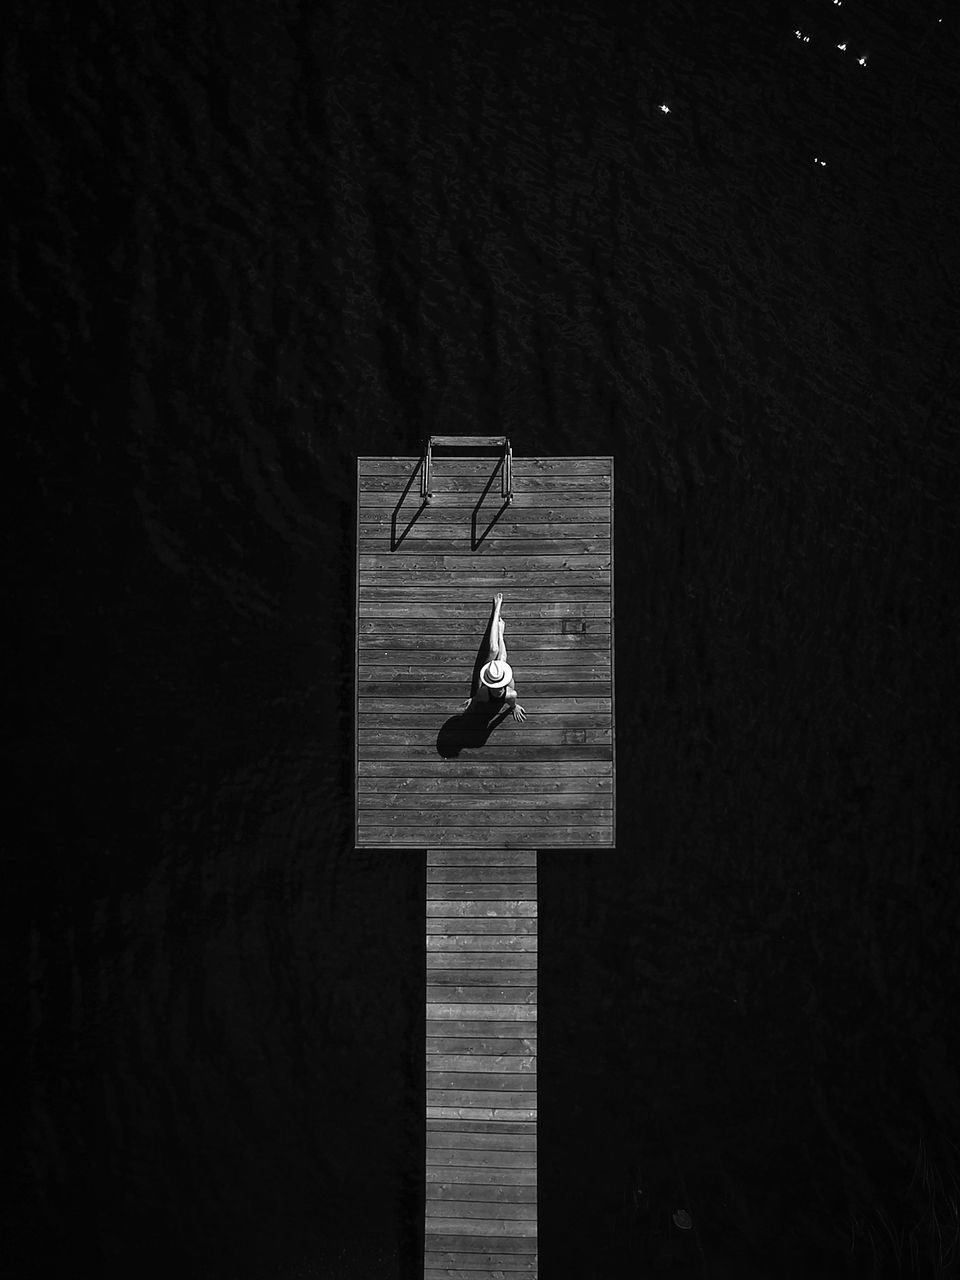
478	1176
497	1128
513	890
535	584
493	1260
447	1010
459	966
493	1139
451	482
461	649
468	1223
497	1047
478	1245
453	591
450	681
485	1273
487	1030
519	837
565	746
400	528
484	769
494	547
511	1211
499	1267
452	1190
374	685
583	675
462	659
412	823
472	868
453	781
404	466
560	650
493	1272
401	540
492	979
477	994
572	798
493	1114
461	874
475	615
490	976
480	1162
484	1081
383	510
479	909
549	838
408	506
488	894
516	1107
440	925
532	631
528	659
451	960
470	944
498	753
407	464
481	804
437	858
492	816
499	1065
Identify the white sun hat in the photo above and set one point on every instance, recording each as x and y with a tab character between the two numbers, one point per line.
496	675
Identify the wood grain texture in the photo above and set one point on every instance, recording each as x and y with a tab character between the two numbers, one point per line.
474	1224
490	1262
527	1128
481	1074
488	1137
487	1193
480	1176
425	577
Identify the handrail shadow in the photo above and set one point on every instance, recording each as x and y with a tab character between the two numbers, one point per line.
395	540
475	540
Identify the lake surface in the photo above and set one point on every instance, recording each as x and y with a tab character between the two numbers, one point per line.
249	243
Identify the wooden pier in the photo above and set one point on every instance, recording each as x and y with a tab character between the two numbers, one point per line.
426	575
437	536
481	1171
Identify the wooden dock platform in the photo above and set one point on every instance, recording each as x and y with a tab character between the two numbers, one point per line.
426	576
481	1061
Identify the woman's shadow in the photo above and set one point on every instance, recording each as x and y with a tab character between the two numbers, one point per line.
469	730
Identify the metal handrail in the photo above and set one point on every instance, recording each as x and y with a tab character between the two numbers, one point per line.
467	442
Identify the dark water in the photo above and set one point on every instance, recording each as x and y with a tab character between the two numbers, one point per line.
249	242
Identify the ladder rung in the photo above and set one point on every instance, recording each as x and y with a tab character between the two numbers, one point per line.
469	442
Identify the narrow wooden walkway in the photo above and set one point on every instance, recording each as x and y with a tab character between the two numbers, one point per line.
481	1171
426	576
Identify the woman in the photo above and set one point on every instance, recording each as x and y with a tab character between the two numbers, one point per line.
496	676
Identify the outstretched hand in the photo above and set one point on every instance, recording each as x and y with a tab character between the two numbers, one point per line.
519	713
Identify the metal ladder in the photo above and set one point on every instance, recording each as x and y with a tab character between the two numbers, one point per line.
500	443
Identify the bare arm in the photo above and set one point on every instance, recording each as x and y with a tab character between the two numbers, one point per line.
518	712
